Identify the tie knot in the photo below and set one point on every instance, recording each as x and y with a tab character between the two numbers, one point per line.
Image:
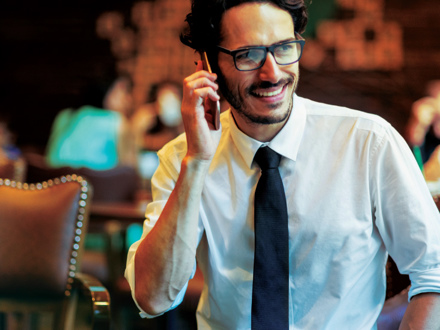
266	158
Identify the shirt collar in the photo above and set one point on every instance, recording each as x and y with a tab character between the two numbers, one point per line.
286	142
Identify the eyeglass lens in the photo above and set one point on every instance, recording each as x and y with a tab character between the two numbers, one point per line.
253	58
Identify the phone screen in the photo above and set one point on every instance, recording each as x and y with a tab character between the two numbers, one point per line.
214	106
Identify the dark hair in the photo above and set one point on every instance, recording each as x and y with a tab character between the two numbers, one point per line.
203	29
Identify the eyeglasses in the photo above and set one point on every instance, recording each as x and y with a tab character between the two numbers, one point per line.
253	58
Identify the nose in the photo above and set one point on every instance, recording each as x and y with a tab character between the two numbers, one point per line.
270	71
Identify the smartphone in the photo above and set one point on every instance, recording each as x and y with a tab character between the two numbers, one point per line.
213	105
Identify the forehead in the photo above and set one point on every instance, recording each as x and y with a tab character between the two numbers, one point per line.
253	24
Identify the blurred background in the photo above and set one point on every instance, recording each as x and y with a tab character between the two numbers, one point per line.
379	56
374	55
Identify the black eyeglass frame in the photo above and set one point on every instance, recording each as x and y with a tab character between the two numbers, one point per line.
270	49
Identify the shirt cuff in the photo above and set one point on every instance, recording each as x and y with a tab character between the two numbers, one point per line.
129	275
423	282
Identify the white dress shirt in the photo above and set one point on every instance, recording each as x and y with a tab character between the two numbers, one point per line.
354	192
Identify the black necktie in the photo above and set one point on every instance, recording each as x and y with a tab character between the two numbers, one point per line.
270	292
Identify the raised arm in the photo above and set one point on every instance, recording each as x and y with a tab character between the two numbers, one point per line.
165	258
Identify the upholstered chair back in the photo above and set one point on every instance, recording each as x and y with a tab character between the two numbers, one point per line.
42	229
41	226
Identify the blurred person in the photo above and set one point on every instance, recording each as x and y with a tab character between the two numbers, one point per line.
353	193
155	123
97	134
159	120
423	131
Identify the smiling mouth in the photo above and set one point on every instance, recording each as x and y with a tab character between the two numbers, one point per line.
269	90
269	93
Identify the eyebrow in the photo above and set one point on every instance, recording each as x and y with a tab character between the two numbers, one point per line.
276	43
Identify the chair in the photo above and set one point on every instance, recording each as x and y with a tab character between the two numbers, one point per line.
116	184
42	228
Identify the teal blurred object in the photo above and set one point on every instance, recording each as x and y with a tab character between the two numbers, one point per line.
133	234
418	155
86	137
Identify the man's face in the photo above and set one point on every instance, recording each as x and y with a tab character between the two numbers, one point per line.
262	98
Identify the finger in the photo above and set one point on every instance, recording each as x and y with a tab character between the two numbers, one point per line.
200	75
206	93
213	95
201	83
200	79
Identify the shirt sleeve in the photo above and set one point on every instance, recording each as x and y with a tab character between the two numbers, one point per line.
163	182
406	215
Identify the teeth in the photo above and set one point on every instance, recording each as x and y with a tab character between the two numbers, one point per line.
268	94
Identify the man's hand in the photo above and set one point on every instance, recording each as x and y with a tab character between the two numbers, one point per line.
202	138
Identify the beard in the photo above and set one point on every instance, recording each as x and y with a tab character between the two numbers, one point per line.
237	99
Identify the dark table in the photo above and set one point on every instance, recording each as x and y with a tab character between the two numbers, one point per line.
127	212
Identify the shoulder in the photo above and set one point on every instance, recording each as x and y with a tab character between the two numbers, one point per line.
339	115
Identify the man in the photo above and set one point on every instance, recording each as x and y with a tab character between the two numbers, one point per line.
352	187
